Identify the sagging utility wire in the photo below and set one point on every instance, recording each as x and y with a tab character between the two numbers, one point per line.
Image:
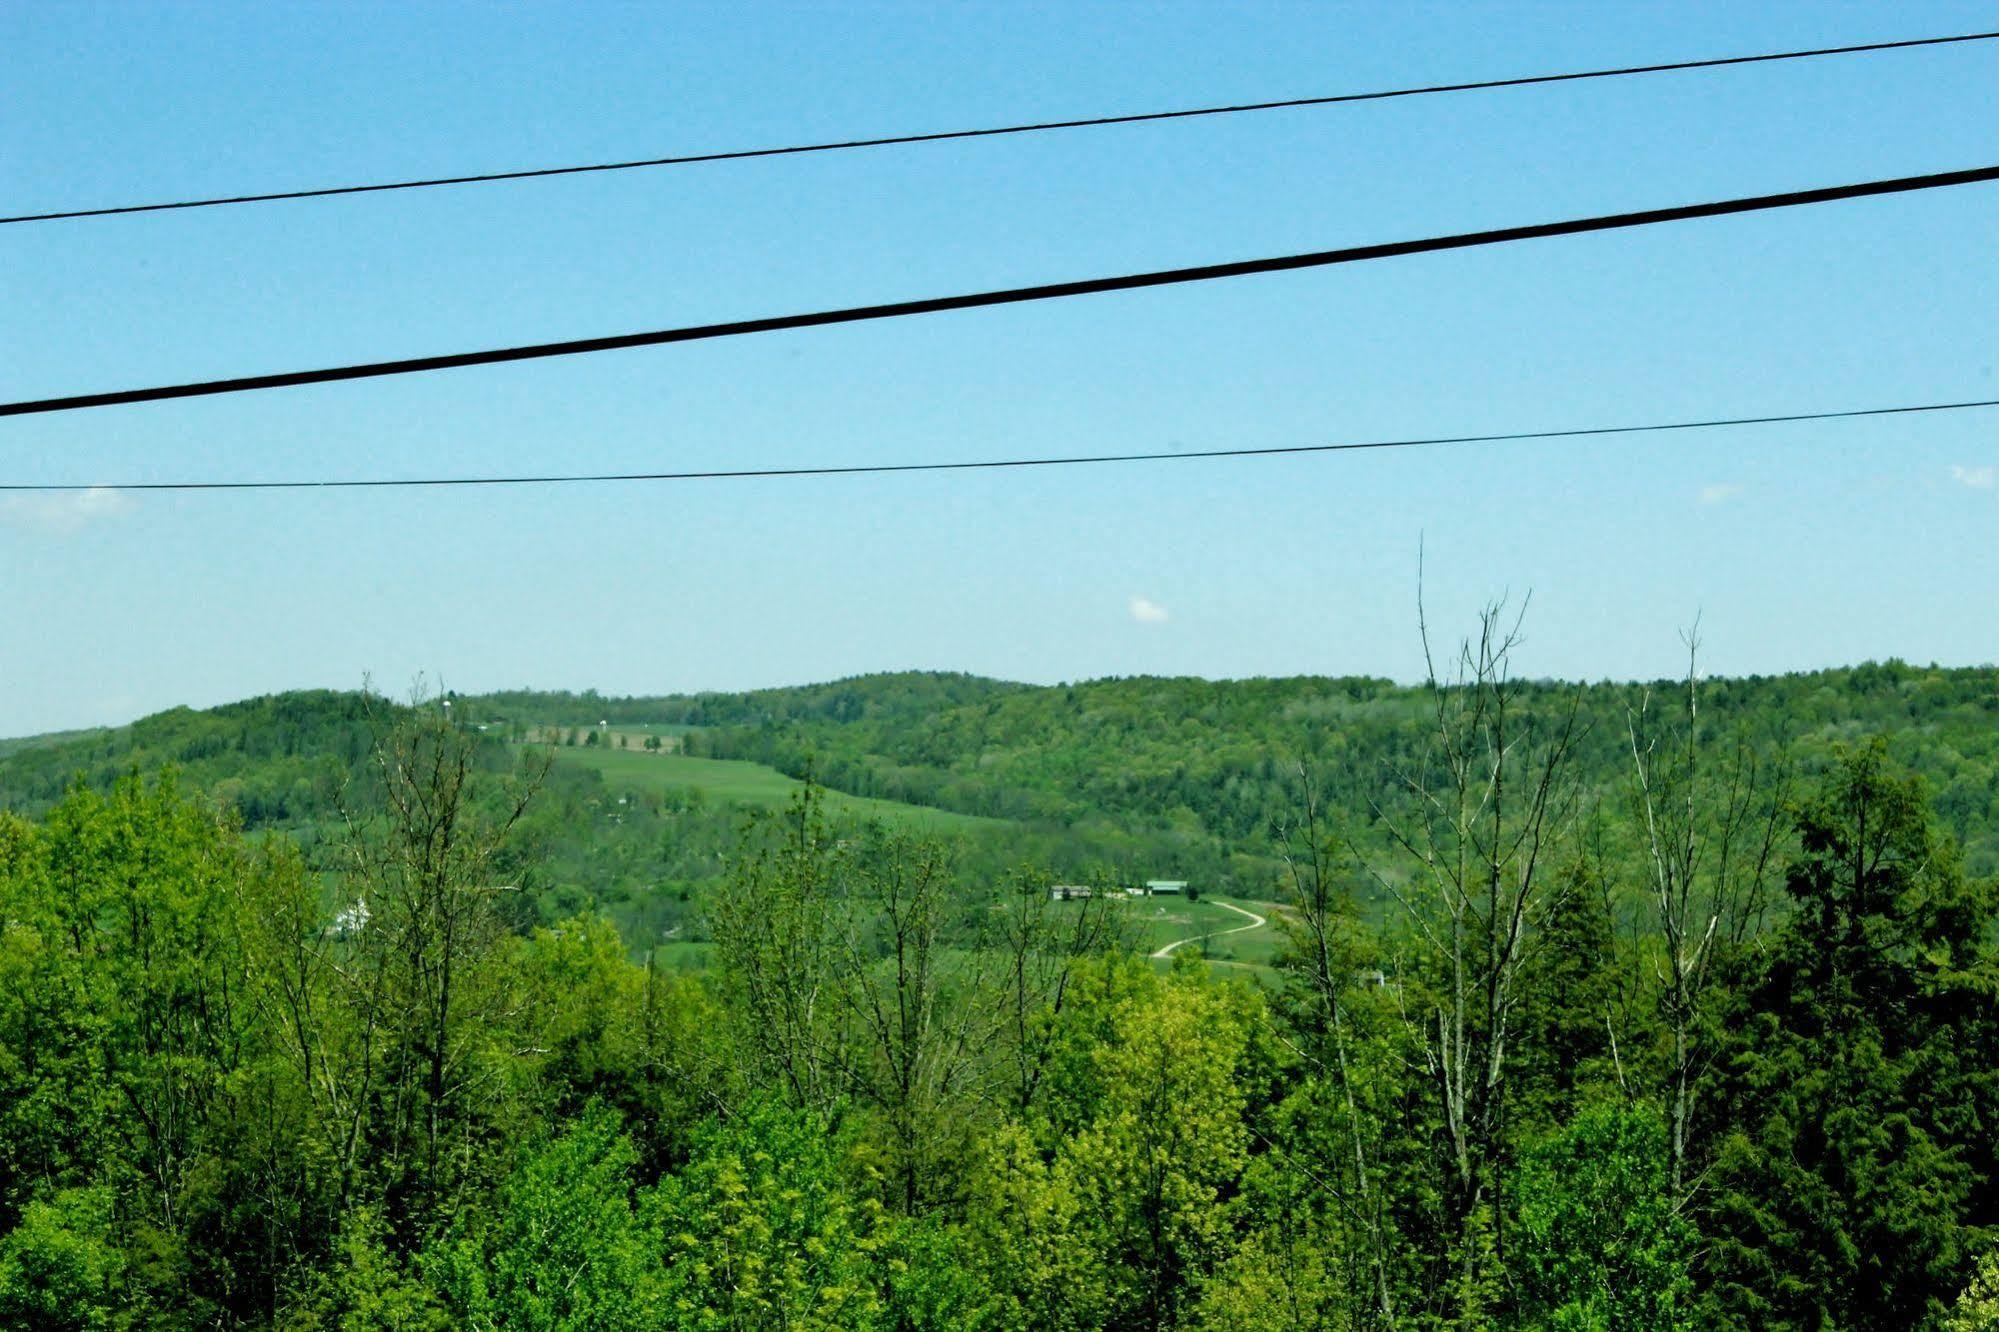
1036	127
1009	296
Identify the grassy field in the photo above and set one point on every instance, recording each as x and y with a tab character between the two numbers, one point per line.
684	955
1160	921
730	781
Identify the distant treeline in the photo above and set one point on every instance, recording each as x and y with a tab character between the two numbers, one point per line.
866	697
1221	762
1139	777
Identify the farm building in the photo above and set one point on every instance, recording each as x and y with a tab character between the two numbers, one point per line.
1071	892
349	921
1165	887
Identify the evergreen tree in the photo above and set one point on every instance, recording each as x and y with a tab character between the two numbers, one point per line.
1855	1158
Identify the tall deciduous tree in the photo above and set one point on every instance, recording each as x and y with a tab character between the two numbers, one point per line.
1495	800
1709	826
415	961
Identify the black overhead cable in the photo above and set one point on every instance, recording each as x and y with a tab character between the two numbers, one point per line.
1009	296
740	154
872	469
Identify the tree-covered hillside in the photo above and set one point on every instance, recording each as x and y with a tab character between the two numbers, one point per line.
277	760
1713	1047
1220	761
1138	778
905	694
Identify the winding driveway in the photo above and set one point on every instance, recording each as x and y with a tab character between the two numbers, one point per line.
1255	922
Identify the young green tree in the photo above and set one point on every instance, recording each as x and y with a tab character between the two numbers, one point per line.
563	1248
1598	1244
138	1053
61	1269
418	975
776	921
1570	1005
1112	1205
914	978
1977	1309
761	1232
1039	942
857	977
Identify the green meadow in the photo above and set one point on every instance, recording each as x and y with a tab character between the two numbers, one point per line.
752	785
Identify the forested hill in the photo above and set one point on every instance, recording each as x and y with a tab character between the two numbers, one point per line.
278	759
1208	767
1220	759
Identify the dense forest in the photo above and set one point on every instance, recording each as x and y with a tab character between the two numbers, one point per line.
1603	1007
1223	758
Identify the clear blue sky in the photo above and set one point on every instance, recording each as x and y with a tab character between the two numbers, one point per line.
1799	546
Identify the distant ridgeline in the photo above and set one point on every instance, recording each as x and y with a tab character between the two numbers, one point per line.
1143	777
278	760
906	695
1217	764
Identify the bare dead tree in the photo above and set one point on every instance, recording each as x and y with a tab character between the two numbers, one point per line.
1710	837
1320	921
1496	800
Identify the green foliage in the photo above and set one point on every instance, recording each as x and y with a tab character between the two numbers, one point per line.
1278	1280
61	1267
1112	1204
278	760
1855	1159
422	1063
563	1248
1977	1310
366	1288
1147	767
1568	1003
1598	1244
1141	777
759	1231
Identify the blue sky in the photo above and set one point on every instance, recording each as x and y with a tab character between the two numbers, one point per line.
1798	546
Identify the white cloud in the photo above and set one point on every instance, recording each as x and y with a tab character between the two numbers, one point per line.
63	510
1978	478
1715	494
1146	611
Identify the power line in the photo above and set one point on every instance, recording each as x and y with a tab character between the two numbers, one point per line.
741	154
998	464
1009	296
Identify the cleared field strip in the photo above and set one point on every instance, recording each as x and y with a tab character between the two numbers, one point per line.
1219	927
736	782
1256	922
